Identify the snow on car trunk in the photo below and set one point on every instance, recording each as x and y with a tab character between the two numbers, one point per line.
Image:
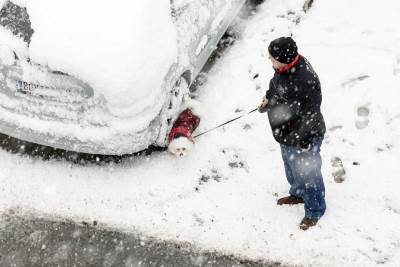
123	49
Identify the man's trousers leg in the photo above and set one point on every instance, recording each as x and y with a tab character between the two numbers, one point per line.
295	187
305	178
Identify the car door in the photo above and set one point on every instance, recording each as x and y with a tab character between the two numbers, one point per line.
200	25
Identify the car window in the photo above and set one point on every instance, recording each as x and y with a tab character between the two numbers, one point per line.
16	19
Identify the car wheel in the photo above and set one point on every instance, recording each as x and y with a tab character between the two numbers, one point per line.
170	112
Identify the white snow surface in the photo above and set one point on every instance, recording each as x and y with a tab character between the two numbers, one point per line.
123	49
223	195
10	42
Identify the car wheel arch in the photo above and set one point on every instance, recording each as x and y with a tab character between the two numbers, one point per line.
187	75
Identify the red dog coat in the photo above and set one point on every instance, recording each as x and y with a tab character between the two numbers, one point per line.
185	124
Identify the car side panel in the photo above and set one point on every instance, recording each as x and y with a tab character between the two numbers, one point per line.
200	25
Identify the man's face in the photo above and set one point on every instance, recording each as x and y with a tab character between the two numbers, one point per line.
276	64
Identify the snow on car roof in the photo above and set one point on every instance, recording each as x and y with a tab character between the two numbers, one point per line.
117	47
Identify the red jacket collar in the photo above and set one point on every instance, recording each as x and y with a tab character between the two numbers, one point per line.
290	65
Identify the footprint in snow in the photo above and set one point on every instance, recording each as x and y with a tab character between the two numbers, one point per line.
362	120
385	147
207	176
353	81
396	68
307	5
234	159
246	127
338	170
255	77
335	127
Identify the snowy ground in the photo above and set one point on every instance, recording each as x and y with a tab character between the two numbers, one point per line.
222	197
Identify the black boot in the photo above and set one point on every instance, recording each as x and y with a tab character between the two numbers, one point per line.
307	223
290	200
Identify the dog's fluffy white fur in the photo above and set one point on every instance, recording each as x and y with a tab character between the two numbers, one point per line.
180	146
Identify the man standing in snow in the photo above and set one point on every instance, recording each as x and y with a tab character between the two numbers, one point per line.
293	103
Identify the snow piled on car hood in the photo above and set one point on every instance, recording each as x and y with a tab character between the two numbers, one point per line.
113	46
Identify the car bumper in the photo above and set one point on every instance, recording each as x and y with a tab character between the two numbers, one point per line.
72	137
68	115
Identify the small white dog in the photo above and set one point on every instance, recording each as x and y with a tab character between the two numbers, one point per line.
180	138
180	146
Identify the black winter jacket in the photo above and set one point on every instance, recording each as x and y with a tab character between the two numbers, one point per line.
294	100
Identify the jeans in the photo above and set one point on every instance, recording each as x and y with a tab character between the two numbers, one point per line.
303	172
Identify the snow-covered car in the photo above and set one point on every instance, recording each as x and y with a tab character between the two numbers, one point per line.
102	77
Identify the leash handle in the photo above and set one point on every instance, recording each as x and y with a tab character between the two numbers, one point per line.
225	123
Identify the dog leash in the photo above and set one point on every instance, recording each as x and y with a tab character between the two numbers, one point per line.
225	123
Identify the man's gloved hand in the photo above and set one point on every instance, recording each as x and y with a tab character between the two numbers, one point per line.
263	106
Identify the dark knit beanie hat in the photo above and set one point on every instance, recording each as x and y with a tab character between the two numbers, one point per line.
283	49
